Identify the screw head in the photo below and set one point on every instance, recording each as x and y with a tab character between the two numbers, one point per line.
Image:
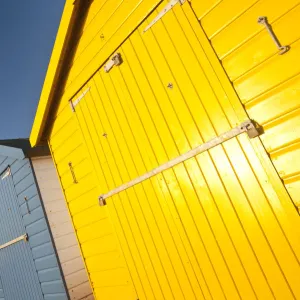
170	85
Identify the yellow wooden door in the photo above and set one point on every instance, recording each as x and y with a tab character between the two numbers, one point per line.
219	225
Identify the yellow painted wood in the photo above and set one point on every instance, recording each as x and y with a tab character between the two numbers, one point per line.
203	7
218	226
92	224
117	28
224	42
266	83
234	246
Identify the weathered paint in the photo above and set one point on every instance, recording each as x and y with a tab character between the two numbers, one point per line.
28	270
218	226
267	83
62	229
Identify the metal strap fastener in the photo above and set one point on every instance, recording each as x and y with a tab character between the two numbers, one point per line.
18	239
264	21
77	100
167	8
248	126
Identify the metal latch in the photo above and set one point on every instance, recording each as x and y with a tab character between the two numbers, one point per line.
102	201
249	126
167	8
264	21
23	237
116	60
252	128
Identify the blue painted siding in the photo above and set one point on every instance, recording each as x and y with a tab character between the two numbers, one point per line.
40	240
1	291
61	296
37	227
33	203
43	268
7	161
17	268
19	276
54	285
51	273
42	250
46	262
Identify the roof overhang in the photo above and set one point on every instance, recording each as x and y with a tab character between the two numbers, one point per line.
20	149
59	54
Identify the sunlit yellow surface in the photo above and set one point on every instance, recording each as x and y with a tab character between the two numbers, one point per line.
218	226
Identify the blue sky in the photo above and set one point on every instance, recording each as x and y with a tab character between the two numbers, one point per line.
27	34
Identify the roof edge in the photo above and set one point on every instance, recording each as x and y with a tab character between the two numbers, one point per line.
58	56
20	148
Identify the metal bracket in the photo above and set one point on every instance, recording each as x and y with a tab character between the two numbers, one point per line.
116	60
264	21
248	126
167	8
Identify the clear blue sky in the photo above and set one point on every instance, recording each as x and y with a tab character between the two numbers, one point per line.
27	34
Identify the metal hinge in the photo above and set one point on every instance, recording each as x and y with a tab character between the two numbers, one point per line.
6	173
77	100
167	8
249	126
72	172
116	60
264	21
27	205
